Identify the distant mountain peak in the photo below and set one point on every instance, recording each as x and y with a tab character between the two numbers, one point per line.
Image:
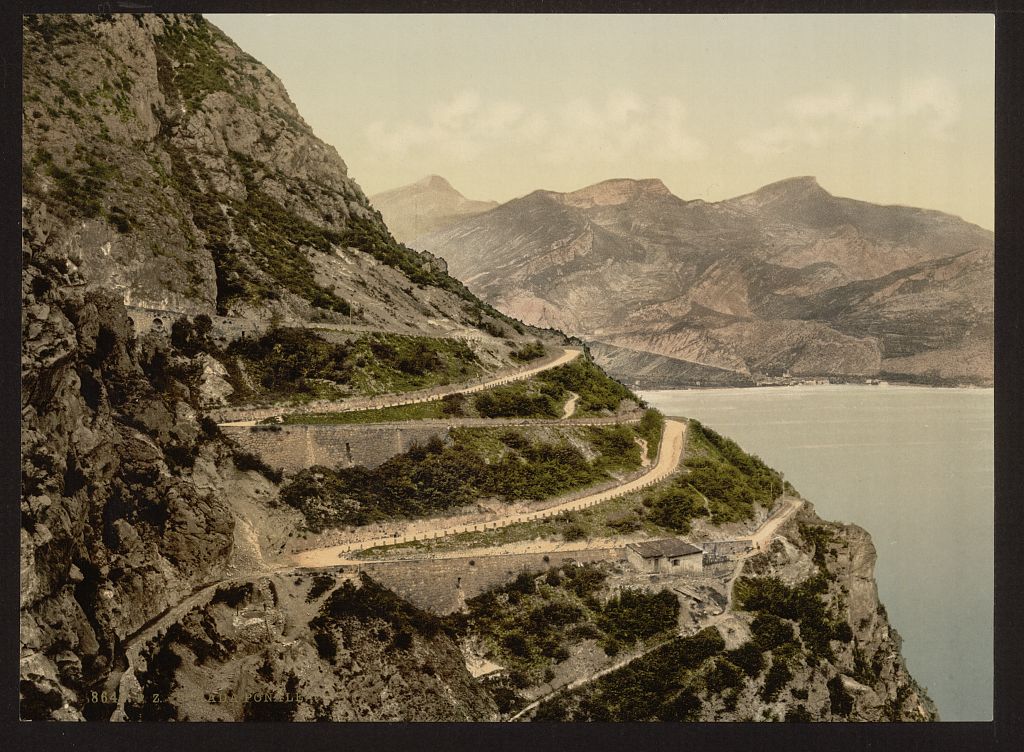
616	191
796	186
435	182
421	207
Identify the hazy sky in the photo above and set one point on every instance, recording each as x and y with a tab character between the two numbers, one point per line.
885	108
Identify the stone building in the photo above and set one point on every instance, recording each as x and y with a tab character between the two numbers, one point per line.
665	556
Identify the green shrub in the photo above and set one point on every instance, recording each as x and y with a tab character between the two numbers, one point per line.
723	676
769	631
321	584
657	686
778	676
636	615
289	362
434	477
731	480
675	506
801	603
530	351
798	714
516	401
597	391
748	657
245	461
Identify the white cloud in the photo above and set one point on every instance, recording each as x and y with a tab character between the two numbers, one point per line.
466	126
928	107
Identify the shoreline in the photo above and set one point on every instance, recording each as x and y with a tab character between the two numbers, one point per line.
812	386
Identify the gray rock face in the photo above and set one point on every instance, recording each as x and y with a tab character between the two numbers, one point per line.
172	169
113	528
786	279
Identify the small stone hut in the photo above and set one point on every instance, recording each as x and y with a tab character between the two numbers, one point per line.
665	556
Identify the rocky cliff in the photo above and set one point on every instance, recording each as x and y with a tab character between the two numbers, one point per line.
788	279
181	176
805	639
165	168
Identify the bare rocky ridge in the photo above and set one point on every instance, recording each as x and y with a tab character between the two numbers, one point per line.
788	279
426	205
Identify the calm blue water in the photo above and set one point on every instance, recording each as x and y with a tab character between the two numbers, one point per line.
914	467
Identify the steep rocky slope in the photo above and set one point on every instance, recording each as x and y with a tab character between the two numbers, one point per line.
424	206
164	167
304	648
786	279
806	640
184	178
129	498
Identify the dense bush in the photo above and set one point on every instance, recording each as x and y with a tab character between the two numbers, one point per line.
820	537
675	506
769	631
657	686
285	362
190	337
516	401
778	676
321	584
801	603
748	657
731	479
530	351
723	676
245	460
597	391
366	603
530	623
650	428
635	614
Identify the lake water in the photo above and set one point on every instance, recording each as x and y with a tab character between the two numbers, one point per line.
914	467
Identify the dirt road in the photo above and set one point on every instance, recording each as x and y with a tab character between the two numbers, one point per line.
670	454
249	416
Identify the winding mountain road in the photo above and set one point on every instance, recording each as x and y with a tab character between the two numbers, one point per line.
249	416
670	454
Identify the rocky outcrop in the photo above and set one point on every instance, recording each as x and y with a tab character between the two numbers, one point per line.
173	169
788	279
114	529
815	645
305	648
869	666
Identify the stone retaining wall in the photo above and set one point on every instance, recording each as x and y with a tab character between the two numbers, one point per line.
292	448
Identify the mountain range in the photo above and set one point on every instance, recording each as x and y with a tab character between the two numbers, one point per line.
787	280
